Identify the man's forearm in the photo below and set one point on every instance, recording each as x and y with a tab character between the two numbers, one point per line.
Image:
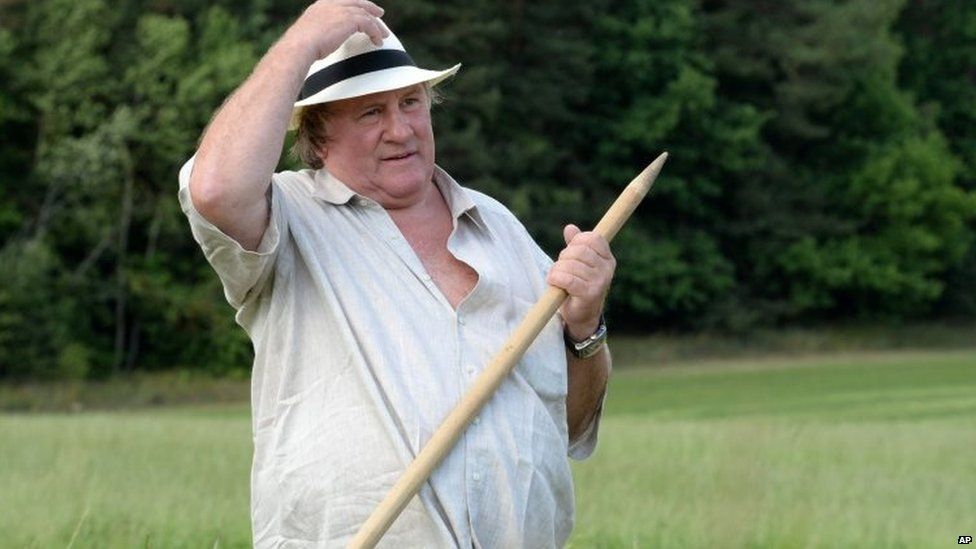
587	384
243	141
241	146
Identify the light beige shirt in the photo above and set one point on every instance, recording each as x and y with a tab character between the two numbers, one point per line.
359	357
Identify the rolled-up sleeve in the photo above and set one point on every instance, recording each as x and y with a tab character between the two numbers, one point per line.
242	272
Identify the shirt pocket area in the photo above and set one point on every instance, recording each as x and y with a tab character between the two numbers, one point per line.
543	366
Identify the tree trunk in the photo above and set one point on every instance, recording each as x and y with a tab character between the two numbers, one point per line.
125	219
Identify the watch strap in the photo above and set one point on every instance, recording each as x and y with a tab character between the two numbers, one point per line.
589	346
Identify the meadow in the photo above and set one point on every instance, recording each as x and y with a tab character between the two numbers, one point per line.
857	450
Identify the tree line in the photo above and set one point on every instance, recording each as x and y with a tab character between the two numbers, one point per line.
823	159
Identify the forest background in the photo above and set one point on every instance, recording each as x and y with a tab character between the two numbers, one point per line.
822	171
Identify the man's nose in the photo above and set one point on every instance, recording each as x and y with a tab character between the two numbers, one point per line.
397	125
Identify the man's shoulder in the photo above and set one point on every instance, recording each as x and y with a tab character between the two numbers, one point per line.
500	220
299	189
487	203
300	181
494	212
487	207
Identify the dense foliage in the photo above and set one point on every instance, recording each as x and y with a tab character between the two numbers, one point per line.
823	158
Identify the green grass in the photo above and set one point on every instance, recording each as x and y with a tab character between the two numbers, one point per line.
124	392
865	450
859	451
161	479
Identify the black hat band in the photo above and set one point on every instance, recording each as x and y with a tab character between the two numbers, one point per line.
354	66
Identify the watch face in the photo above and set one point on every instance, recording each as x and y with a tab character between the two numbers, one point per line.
589	346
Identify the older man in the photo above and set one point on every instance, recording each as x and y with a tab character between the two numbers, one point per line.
374	289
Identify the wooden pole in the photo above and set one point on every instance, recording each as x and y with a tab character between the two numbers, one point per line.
485	385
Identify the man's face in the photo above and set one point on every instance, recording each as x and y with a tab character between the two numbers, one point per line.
382	145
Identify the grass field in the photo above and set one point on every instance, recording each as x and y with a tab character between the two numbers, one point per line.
865	450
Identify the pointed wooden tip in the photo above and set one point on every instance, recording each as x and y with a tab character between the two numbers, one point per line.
629	199
658	163
643	182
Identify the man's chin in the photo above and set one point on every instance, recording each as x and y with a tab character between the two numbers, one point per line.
402	191
408	176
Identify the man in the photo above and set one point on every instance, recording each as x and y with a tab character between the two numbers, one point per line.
374	290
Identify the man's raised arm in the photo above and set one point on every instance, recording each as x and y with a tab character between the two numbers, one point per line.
241	146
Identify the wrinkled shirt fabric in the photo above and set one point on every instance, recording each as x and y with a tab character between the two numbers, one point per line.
359	357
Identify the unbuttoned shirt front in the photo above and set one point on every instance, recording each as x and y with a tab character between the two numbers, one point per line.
359	357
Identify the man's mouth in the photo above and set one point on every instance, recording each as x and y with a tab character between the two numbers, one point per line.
401	156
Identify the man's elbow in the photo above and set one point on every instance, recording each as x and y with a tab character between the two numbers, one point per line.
209	195
223	205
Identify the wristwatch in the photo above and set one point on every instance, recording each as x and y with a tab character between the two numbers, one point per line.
589	346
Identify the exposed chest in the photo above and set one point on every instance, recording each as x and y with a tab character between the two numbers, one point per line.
453	277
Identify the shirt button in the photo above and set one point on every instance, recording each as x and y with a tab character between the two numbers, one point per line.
476	477
477	420
461	321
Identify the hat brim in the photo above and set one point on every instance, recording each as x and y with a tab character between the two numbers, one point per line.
373	82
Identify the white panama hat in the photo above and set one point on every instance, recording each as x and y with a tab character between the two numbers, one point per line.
360	67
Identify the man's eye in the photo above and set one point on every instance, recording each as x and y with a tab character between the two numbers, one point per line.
369	113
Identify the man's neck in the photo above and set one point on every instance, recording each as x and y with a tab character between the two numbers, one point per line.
429	211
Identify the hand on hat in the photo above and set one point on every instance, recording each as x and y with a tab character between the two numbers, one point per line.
326	24
584	269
